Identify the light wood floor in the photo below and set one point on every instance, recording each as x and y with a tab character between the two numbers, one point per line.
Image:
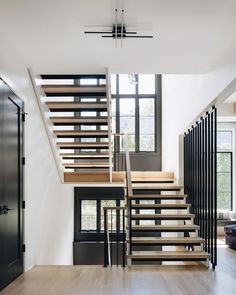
145	280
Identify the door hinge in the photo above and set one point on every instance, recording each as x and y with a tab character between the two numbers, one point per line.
23	204
23	248
23	161
23	116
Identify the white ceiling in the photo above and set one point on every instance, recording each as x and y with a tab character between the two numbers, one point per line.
189	36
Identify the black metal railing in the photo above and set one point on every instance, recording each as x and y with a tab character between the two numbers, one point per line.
200	154
114	236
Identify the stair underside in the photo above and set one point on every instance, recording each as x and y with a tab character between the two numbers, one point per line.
72	76
162	216
157	186
86	165
168	255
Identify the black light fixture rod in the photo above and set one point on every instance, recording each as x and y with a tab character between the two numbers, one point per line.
97	32
122	27
116	27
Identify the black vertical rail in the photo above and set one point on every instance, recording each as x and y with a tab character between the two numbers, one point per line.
200	181
105	240
123	241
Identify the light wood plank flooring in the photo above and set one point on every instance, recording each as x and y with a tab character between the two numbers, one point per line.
138	280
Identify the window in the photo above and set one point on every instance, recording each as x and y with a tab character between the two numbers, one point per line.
224	169
135	111
224	180
89	215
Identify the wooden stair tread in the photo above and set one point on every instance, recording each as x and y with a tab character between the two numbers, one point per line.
147	196
168	254
89	164
177	216
79	120
83	144
134	206
157	186
91	90
76	106
163	240
152	179
164	227
71	133
84	155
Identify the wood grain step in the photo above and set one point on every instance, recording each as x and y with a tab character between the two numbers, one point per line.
72	76
160	206
94	121
165	228
80	134
152	180
83	145
86	165
169	255
75	90
84	155
161	197
60	106
157	186
162	216
166	241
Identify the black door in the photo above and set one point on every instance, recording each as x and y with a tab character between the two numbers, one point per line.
11	186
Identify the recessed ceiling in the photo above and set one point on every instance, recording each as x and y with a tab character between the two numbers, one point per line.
189	36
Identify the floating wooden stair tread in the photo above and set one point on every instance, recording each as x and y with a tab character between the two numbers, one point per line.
164	227
166	240
160	206
59	106
78	134
83	145
168	255
75	90
157	186
87	165
84	156
79	120
72	76
162	197
162	216
152	179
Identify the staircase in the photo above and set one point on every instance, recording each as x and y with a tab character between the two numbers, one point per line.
161	227
77	116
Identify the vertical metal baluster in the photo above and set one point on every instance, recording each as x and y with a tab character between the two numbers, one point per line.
124	249
111	255
117	238
105	239
215	186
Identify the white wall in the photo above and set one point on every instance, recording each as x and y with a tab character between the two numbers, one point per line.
183	98
49	204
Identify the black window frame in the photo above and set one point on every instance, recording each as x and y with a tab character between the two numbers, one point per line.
157	113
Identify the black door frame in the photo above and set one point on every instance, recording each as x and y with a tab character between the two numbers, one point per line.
9	94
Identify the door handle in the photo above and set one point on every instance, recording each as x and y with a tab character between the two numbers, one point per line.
4	210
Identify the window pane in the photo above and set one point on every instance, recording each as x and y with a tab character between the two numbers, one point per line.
127	124
223	162
108	203
224	182
146	125
146	107
127	107
124	85
224	139
88	215
146	84
147	143
88	81
224	201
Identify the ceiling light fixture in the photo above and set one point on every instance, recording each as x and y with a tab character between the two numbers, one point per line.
118	30
132	79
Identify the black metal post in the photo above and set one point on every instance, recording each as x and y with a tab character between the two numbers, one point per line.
105	240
